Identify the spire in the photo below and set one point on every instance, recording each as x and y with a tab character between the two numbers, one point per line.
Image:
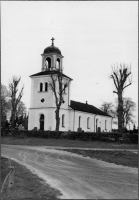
53	41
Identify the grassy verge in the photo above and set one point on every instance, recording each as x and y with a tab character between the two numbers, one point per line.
66	143
4	169
27	186
125	158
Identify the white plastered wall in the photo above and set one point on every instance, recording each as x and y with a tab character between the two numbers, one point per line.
47	107
34	118
67	120
83	122
71	120
74	116
36	95
49	119
108	125
49	97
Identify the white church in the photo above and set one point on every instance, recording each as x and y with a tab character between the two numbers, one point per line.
74	115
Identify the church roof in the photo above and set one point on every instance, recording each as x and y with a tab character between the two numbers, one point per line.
52	49
86	108
48	73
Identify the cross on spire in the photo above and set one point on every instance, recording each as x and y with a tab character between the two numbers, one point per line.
53	41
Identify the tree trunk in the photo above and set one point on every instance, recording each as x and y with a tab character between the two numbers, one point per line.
120	112
13	119
57	119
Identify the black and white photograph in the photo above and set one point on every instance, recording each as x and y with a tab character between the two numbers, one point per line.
69	100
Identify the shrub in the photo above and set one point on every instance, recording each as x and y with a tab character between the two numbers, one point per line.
130	138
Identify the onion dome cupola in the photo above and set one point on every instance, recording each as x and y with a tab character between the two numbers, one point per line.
51	58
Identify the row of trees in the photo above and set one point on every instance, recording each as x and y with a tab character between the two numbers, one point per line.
11	102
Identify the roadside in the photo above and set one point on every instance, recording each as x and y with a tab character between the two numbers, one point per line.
27	185
32	141
126	158
4	169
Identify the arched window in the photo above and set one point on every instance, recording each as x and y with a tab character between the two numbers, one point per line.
58	63
63	120
88	122
79	121
41	87
46	86
105	124
96	125
48	63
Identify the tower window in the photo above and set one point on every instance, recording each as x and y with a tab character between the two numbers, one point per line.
46	86
88	121
63	119
64	87
48	63
58	63
41	87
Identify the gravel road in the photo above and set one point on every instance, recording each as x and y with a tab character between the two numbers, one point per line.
75	176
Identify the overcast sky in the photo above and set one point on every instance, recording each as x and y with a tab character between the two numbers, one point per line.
92	36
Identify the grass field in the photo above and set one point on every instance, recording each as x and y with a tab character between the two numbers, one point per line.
66	143
125	158
27	185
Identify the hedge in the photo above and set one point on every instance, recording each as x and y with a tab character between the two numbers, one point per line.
84	136
130	138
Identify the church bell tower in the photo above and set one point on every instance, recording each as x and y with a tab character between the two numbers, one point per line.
51	58
43	102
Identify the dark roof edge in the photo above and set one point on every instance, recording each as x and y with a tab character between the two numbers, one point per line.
37	74
90	112
52	53
105	114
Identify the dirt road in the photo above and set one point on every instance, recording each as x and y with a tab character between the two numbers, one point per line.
75	176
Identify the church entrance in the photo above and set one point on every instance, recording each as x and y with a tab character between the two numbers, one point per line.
42	122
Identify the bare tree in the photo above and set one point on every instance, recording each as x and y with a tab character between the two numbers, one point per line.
58	86
120	76
5	104
13	87
128	109
108	108
21	109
